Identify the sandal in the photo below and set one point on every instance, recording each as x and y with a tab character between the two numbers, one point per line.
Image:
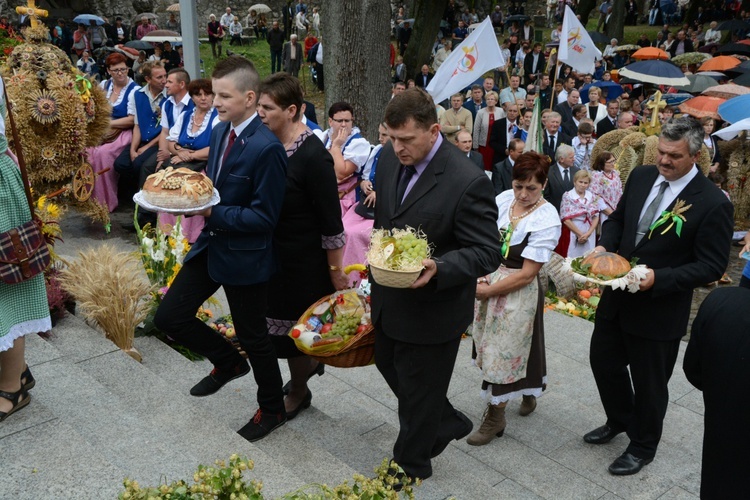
18	400
27	379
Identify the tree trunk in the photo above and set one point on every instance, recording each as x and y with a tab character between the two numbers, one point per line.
356	59
427	15
616	25
585	8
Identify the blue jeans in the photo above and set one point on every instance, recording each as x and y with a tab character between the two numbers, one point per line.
275	61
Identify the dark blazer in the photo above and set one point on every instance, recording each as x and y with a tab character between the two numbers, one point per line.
716	157
680	263
310	112
477	158
570	128
560	138
453	203
716	363
688	47
502	175
498	140
528	64
471	106
419	79
604	126
556	185
251	183
566	112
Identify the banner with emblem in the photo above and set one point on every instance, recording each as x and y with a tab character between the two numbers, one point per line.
577	50
477	54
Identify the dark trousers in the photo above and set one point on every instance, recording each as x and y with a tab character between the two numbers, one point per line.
140	168
275	60
319	73
639	408
419	376
247	304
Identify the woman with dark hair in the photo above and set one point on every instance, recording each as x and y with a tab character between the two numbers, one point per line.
508	328
309	236
709	126
188	143
606	183
118	89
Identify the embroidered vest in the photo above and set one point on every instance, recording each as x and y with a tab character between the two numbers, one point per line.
200	141
168	107
149	121
121	110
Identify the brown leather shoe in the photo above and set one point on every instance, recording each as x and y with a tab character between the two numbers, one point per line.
528	405
493	424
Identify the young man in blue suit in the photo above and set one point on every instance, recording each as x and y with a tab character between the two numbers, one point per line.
247	165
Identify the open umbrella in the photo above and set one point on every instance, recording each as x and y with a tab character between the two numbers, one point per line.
614	90
410	21
698	83
726	91
691	58
598	37
162	36
701	106
260	8
736	109
656	72
627	48
732	131
668	6
139	17
731	49
647	53
87	18
733	25
720	63
517	17
673	100
743	79
139	45
175	7
746	41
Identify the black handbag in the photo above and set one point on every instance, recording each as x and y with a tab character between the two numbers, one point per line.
23	249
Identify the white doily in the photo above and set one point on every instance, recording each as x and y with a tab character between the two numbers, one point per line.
138	198
630	282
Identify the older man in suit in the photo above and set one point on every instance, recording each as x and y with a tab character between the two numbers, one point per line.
502	173
425	182
503	131
424	77
553	136
609	122
561	175
292	55
247	165
637	335
464	143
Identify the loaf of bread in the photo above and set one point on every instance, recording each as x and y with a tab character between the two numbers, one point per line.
177	188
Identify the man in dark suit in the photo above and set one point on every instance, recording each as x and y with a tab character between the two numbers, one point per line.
641	331
716	363
608	123
561	175
502	132
476	102
464	142
247	165
553	136
533	64
565	108
681	45
502	173
426	182
424	77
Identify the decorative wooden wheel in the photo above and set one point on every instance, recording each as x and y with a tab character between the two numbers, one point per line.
83	182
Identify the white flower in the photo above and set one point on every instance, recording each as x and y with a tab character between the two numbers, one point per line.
158	255
147	243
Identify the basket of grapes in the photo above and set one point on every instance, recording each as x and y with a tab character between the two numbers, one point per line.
337	330
395	256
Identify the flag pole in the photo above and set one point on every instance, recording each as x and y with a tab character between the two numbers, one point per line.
554	81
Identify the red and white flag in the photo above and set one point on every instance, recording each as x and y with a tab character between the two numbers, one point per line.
477	54
577	50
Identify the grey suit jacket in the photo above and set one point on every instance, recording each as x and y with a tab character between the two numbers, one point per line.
452	202
477	158
556	185
502	176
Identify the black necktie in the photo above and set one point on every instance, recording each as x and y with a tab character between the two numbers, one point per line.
566	177
407	172
552	144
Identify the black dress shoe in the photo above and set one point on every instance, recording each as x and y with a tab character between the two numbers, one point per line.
219	378
627	464
461	432
319	370
305	404
399	478
601	435
261	425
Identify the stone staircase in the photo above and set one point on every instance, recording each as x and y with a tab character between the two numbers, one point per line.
97	416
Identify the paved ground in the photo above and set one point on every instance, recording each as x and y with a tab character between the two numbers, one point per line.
97	416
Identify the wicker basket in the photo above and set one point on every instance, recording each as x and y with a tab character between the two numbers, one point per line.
358	351
393	279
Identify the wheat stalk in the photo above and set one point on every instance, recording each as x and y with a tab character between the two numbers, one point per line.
110	290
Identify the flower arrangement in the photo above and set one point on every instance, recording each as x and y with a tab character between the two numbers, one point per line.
8	41
162	250
228	481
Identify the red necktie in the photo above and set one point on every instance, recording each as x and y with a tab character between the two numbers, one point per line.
232	137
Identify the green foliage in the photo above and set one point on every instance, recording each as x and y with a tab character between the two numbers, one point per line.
227	482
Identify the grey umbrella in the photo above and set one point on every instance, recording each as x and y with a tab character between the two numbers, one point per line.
698	83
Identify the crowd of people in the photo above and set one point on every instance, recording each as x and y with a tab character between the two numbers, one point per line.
299	202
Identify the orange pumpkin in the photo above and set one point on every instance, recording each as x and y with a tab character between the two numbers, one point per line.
607	264
584	294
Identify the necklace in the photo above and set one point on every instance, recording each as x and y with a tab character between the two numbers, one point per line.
514	218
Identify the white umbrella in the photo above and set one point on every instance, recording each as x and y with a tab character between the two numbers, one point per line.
733	130
161	38
260	8
175	7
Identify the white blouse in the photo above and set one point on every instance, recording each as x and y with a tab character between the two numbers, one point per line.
356	151
109	88
543	224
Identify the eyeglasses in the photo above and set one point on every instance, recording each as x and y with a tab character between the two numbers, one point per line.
611	160
118	70
342	120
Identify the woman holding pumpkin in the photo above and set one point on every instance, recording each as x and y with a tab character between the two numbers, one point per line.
508	329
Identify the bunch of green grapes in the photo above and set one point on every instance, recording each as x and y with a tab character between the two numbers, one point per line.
412	250
345	325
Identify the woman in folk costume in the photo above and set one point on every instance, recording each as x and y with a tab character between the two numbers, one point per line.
579	212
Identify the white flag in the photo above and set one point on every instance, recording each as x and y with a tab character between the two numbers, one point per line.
577	50
477	54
